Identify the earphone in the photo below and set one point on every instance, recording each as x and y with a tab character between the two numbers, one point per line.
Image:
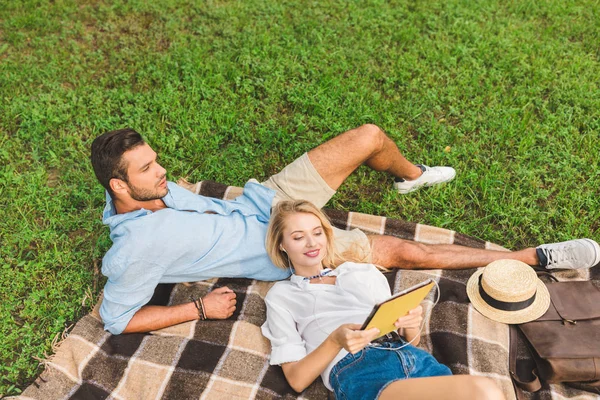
288	258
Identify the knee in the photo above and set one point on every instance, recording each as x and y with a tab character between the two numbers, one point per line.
371	136
389	251
414	254
481	388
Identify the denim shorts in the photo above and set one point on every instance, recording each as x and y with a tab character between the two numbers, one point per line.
365	374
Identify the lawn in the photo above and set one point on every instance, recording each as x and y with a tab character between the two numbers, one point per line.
507	92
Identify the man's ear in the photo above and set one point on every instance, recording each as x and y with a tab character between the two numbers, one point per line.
118	186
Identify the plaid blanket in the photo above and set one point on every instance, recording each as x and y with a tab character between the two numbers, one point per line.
230	358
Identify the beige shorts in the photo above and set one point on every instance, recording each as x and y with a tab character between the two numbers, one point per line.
301	181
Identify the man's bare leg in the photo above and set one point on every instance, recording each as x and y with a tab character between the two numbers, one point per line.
390	252
337	158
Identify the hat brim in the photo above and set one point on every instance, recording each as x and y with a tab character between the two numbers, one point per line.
534	311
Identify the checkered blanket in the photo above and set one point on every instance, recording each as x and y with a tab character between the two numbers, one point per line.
230	358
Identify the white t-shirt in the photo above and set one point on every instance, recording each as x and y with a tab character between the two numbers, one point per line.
301	315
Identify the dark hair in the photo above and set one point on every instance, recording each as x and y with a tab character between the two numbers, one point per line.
107	155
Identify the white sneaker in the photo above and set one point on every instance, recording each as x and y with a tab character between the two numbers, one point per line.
573	254
431	176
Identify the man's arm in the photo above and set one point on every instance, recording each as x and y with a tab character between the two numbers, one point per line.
218	304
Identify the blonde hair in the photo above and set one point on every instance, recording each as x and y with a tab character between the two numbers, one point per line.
281	211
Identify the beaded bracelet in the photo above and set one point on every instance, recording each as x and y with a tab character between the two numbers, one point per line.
199	306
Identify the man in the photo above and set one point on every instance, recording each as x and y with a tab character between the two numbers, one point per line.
163	233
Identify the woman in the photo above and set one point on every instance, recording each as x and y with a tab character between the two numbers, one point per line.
314	321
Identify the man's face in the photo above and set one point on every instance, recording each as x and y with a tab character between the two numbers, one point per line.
146	178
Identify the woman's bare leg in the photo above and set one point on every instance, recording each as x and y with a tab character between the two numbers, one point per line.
465	387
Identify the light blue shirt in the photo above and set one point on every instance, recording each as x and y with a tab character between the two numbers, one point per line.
183	243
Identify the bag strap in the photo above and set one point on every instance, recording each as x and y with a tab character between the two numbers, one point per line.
530	386
542	272
519	383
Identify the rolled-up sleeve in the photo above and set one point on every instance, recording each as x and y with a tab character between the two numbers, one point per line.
280	329
127	293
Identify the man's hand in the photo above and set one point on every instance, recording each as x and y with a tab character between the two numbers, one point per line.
219	304
351	338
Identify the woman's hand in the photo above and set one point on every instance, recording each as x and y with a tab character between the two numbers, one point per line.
351	338
412	320
300	374
410	324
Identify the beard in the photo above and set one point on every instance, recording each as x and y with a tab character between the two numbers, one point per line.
140	194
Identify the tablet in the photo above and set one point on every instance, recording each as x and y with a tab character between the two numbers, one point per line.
386	313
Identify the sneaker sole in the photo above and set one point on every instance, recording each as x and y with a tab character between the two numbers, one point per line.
596	247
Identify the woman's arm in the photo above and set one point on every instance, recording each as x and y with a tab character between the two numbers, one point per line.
409	325
300	374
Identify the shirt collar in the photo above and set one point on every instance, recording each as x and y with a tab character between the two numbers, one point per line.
112	219
300	282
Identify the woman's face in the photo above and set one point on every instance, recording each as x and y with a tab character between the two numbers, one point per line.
305	242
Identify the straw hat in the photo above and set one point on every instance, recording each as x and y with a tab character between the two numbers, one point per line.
508	291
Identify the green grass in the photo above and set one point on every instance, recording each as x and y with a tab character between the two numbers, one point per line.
228	90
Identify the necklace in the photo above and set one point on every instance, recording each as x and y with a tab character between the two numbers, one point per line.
320	276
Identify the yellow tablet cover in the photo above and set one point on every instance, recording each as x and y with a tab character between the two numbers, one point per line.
387	312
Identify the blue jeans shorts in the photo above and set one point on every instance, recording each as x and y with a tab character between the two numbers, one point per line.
365	374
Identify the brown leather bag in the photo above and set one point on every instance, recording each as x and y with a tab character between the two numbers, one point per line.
565	341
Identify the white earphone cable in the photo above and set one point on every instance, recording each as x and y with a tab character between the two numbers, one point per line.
437	299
